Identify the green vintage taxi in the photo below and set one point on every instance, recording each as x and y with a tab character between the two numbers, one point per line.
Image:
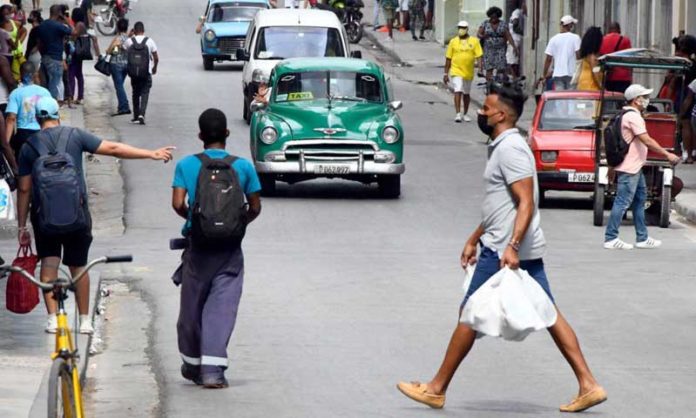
328	117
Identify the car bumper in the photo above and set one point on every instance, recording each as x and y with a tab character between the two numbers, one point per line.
560	180
330	169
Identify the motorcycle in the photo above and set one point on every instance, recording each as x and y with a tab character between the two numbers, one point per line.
348	12
107	18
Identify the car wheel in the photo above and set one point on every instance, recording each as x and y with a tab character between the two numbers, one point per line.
268	184
246	113
390	186
665	206
208	64
598	208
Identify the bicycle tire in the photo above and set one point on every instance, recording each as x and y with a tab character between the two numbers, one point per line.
61	398
108	26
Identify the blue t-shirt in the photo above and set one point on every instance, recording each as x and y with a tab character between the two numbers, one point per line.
52	34
186	176
22	102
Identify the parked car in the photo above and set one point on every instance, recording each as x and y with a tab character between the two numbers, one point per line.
224	27
328	117
278	34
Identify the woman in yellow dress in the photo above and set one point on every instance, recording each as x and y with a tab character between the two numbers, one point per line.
588	79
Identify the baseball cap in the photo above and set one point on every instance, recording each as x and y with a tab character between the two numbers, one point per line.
568	19
636	90
463	24
47	108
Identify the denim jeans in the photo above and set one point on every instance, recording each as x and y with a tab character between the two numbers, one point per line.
119	72
631	192
562	83
54	72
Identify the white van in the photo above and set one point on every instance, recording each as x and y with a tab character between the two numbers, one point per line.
277	34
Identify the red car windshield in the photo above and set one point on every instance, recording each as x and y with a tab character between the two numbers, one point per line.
570	114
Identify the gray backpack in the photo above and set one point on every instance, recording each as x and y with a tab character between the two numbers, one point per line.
219	212
59	196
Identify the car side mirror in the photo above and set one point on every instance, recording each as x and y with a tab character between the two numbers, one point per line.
256	106
395	105
356	54
242	55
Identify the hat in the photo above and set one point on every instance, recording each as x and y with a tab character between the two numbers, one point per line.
463	24
636	90
47	108
567	20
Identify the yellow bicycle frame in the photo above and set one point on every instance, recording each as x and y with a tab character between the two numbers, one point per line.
64	343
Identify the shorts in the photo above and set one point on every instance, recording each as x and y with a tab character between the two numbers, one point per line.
459	85
403	6
20	138
388	13
489	263
73	248
510	56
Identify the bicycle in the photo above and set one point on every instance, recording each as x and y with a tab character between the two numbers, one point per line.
64	386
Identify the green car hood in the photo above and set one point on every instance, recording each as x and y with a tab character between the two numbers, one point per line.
303	117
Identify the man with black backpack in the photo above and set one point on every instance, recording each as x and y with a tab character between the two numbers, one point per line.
143	59
626	144
51	183
218	195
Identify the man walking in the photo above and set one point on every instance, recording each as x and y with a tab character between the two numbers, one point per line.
66	143
631	190
617	79
389	12
141	53
52	33
212	269
21	113
460	60
562	51
510	235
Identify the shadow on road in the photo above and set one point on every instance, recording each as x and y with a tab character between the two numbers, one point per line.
328	189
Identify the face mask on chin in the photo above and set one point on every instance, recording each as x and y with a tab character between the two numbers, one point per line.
462	32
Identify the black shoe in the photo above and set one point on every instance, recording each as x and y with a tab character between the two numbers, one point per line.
214	380
192	373
121	112
134	121
141	120
422	37
414	37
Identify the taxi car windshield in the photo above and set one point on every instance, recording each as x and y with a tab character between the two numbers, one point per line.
234	12
336	85
281	42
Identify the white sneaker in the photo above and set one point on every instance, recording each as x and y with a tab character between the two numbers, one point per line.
458	118
86	325
648	244
52	324
467	118
617	244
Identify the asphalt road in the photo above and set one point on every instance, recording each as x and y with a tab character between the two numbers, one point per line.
346	293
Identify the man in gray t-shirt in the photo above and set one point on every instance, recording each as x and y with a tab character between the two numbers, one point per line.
509	236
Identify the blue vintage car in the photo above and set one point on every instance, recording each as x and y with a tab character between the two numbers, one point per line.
224	27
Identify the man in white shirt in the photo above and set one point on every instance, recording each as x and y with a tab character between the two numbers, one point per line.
562	50
141	81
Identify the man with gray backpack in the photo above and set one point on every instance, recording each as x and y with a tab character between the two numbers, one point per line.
218	196
143	60
52	189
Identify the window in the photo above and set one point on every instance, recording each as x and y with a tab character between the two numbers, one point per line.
569	114
281	42
232	12
337	85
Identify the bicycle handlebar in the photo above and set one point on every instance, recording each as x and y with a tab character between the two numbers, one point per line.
119	259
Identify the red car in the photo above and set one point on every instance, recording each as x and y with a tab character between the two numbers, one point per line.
562	139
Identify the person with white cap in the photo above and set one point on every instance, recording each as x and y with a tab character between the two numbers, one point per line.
631	190
562	51
460	60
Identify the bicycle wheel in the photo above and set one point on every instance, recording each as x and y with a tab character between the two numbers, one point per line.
61	398
107	25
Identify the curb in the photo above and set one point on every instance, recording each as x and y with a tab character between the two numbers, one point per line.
379	44
683	208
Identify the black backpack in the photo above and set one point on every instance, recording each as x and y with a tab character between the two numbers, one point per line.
219	212
59	199
615	146
138	59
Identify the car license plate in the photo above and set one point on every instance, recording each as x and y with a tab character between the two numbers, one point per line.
332	169
581	177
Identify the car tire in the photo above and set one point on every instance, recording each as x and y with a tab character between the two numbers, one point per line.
268	184
246	113
598	208
208	64
665	206
389	186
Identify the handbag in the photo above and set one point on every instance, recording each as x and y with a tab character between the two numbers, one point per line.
7	174
83	48
21	296
103	65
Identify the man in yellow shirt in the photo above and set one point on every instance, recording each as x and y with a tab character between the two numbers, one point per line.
462	53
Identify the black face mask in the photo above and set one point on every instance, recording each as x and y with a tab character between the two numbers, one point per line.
483	124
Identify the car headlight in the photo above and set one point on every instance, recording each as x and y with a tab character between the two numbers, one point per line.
549	156
390	135
209	35
269	135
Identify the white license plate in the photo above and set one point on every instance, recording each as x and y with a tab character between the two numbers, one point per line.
581	177
332	169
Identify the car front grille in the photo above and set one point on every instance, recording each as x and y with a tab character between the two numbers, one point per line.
329	149
230	45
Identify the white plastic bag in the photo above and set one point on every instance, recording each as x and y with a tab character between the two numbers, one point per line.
7	209
511	305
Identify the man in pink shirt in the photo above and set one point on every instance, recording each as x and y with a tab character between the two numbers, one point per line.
631	191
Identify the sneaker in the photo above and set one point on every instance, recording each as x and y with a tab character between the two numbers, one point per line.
467	118
648	244
458	118
422	38
617	244
141	120
86	325
192	373
134	121
52	324
121	112
414	37
214	381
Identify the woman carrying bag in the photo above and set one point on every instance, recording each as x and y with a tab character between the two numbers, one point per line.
84	43
585	76
119	66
